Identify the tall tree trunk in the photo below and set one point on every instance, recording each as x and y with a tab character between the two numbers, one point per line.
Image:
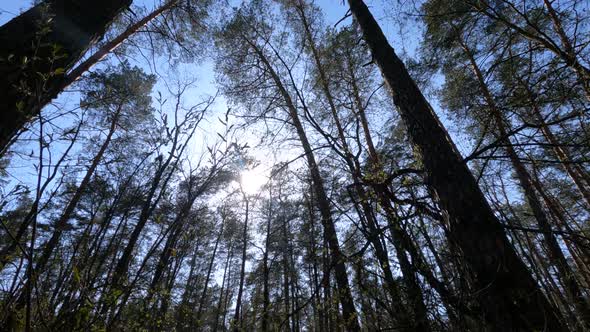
509	296
573	290
33	43
209	271
223	284
336	256
61	224
575	172
237	320
266	272
568	54
420	321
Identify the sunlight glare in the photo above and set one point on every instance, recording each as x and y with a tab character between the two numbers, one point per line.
252	180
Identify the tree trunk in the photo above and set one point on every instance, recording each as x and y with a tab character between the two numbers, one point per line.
556	256
208	275
420	323
237	321
573	171
337	258
223	283
62	222
509	296
31	44
266	273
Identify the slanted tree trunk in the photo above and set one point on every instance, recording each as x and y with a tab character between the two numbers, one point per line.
336	256
509	296
61	224
568	53
576	173
420	321
556	256
31	44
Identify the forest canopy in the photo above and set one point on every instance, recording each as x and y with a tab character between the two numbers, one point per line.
295	165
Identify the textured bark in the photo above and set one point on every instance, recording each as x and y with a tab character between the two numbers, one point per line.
509	296
25	51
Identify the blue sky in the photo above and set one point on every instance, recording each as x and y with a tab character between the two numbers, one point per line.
404	37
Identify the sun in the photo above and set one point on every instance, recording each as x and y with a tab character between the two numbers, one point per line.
252	180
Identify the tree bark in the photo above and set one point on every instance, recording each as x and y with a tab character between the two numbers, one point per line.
509	296
33	44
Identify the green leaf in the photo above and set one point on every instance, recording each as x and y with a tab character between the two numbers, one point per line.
20	105
76	273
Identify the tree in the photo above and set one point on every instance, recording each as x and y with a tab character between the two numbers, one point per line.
38	48
507	300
